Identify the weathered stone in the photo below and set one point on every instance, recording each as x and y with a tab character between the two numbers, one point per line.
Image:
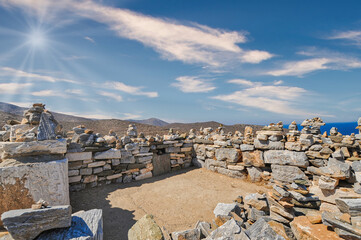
246	147
327	183
47	127
230	173
331	195
228	154
254	214
255	174
287	173
351	206
293	146
261	230
225	209
109	154
356	166
27	224
204	228
329	219
303	229
236	167
144	176
214	163
78	156
85	225
226	231
191	234
282	230
257	201
16	149
268	145
254	158
24	184
285	157
96	164
314	216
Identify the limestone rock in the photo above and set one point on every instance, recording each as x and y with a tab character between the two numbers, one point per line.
23	185
285	157
24	224
268	145
351	206
254	158
329	219
145	228
225	209
255	174
287	173
191	234
15	149
109	154
257	201
227	154
85	225
304	229
226	231
260	230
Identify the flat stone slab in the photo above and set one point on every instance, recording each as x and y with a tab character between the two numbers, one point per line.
286	157
25	224
23	185
225	209
85	225
351	206
287	173
109	154
16	149
78	156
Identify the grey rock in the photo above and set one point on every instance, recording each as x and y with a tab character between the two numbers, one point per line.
47	127
286	157
265	145
302	198
357	188
204	228
318	162
284	193
225	209
24	224
254	214
287	173
227	230
255	174
191	234
230	173
227	154
214	163
198	163
246	147
356	166
351	206
260	230
109	154
85	225
328	219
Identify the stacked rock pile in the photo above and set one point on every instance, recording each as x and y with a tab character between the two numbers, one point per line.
37	124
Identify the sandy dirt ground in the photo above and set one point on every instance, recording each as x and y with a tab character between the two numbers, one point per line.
176	200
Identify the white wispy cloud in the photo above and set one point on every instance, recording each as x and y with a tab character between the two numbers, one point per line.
353	37
272	98
75	91
133	90
49	93
89	39
13	88
243	82
192	84
8	71
302	67
190	43
114	96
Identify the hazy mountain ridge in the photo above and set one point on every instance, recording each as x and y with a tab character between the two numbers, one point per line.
150	121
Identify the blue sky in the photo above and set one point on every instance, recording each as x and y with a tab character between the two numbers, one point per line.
185	61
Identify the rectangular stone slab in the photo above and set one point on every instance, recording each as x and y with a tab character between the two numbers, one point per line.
17	149
25	224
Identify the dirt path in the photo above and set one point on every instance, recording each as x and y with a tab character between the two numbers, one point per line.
177	200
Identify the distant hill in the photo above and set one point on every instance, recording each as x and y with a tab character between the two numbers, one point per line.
16	110
149	126
150	121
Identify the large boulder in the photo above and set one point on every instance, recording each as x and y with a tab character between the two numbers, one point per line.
85	225
145	228
25	224
21	185
254	158
285	157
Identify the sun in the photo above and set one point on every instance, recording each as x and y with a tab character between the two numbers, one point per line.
37	39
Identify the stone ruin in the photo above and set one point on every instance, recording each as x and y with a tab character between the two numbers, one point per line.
314	179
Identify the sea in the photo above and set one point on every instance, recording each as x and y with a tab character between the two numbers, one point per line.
346	128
